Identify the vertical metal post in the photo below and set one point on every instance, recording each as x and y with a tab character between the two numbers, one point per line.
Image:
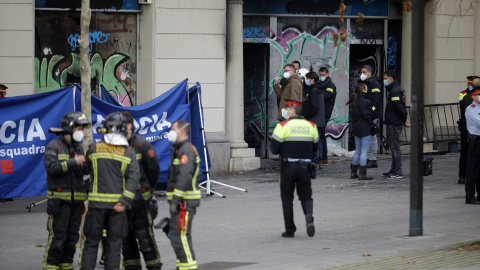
416	160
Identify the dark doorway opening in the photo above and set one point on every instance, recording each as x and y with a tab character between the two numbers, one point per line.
255	96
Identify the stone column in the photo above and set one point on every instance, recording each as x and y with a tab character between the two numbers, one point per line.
476	14
242	158
406	61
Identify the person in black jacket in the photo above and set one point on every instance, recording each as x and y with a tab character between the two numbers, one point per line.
395	119
375	95
362	115
140	217
314	109
330	94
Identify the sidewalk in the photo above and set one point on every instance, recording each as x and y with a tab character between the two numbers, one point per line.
353	219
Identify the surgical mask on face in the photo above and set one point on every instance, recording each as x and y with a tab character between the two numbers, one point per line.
323	79
172	136
77	135
386	83
285	114
307	82
470	87
286	75
363	77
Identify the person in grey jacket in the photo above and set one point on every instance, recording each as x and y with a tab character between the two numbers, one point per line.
314	108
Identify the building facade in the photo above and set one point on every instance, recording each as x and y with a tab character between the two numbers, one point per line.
235	49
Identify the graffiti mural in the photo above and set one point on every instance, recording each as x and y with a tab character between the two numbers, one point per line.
112	57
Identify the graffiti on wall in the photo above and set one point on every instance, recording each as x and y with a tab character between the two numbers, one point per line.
313	51
392	53
112	53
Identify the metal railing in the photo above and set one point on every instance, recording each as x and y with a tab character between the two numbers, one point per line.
440	124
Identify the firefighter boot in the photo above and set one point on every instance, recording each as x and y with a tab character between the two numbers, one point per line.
363	174
353	171
310	226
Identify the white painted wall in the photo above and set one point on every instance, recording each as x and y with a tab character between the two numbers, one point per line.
190	43
17	24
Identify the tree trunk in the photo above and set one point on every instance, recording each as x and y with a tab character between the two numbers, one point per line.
85	69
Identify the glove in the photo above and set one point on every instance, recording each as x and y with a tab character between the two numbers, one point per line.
173	208
153	207
53	205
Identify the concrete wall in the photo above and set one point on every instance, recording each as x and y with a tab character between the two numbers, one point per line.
189	42
17	46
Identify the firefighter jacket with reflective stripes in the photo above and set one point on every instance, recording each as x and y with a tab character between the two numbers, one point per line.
330	95
147	163
465	99
375	95
183	174
114	175
396	109
295	138
64	175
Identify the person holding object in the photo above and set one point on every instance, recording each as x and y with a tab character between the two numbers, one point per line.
115	176
465	100
140	216
64	162
395	119
182	193
293	88
296	141
362	115
375	96
472	115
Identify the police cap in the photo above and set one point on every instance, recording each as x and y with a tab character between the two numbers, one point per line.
291	102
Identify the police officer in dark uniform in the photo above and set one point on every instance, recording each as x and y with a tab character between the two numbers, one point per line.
464	100
115	176
182	193
64	162
472	115
295	139
140	216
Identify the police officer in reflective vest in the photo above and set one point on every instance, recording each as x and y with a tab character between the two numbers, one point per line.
295	139
464	100
472	115
182	193
115	176
64	162
140	219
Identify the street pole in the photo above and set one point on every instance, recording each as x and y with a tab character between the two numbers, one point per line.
416	160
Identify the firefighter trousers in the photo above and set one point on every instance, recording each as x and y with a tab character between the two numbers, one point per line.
295	174
116	226
140	227
181	238
62	236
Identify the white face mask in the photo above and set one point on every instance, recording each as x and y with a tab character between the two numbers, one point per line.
172	136
286	75
77	135
285	114
363	77
323	79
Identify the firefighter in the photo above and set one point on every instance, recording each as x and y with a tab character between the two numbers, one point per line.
140	216
375	95
115	176
472	115
465	100
295	139
182	193
64	162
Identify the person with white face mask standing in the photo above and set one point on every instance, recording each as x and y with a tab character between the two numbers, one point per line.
374	94
182	193
293	89
64	162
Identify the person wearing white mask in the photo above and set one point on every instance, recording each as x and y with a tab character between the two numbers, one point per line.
293	89
374	94
182	193
64	160
465	100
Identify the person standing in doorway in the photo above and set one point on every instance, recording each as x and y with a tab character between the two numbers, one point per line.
330	95
375	95
293	89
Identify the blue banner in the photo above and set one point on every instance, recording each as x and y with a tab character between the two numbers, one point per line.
25	120
24	124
